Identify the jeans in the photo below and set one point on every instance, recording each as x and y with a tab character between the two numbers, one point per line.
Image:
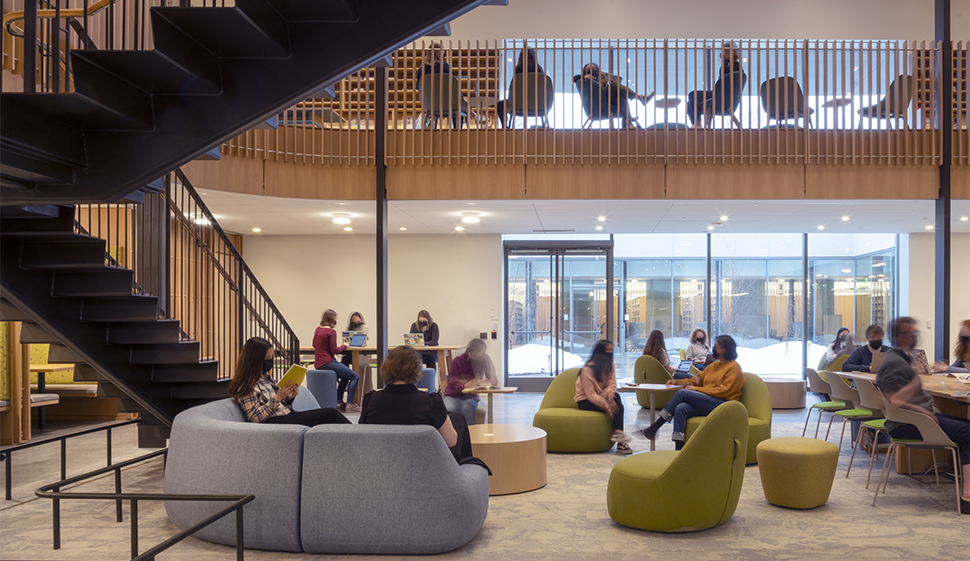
347	380
617	420
956	429
467	407
310	418
685	404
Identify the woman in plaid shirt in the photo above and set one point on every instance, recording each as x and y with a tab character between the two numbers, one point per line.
261	400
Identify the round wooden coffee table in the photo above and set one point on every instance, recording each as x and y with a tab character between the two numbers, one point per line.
786	393
516	454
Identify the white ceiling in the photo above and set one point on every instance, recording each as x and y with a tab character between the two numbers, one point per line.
239	213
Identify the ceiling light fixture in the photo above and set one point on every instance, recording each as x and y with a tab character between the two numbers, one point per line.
710	227
929	226
459	229
470	217
341	218
348	229
599	227
723	217
257	230
601	218
845	219
964	218
821	227
402	228
846	270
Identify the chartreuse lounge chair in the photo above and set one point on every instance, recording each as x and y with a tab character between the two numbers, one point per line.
567	428
757	401
648	370
693	489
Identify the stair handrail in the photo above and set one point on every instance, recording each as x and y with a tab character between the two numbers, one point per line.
10	17
197	199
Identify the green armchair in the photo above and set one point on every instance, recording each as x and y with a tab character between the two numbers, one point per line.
567	428
648	370
755	398
693	489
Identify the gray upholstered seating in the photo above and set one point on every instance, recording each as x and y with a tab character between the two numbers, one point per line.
329	489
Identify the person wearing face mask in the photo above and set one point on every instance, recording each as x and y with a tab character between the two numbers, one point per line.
961	353
721	381
698	351
261	400
429	328
842	345
861	358
657	348
596	391
468	370
356	323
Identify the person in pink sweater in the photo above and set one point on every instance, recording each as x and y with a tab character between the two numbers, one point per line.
325	351
596	391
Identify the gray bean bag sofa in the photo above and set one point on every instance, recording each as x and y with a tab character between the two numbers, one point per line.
330	489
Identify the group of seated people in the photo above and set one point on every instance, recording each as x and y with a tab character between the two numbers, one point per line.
859	358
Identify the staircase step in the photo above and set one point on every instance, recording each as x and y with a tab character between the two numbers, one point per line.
125	404
9	312
323	11
166	353
82	253
213	155
149	420
201	390
105	283
36	149
133	308
38	225
153	71
144	332
59	354
230	32
108	89
31	333
206	371
87	373
107	389
153	437
88	113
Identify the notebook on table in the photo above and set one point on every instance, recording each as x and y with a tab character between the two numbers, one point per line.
414	339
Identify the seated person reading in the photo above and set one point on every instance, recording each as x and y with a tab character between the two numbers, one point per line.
472	369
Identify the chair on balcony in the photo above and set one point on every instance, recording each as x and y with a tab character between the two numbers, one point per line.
440	96
531	94
723	101
783	100
896	103
598	105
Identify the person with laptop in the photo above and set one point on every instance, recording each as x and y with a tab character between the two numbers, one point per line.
842	345
472	369
721	381
354	325
657	348
961	353
860	360
698	351
325	350
427	327
596	391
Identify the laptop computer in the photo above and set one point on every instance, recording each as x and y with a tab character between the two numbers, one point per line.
683	367
358	340
876	361
348	335
414	339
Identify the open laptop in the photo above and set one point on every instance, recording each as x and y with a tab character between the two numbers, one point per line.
414	339
683	368
348	335
876	361
357	340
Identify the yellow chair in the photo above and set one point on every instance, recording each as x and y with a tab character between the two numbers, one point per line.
842	391
683	354
869	397
757	402
568	429
648	370
693	489
819	385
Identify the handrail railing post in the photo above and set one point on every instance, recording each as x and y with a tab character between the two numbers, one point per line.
56	509
134	528
30	46
165	295
241	304
119	514
240	547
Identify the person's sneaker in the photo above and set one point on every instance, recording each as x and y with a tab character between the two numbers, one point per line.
623	448
341	406
649	434
352	408
620	437
964	505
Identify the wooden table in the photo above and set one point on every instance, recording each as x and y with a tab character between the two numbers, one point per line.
516	454
786	393
490	392
41	370
444	353
651	389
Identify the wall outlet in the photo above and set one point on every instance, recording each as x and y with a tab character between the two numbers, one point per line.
483	335
494	334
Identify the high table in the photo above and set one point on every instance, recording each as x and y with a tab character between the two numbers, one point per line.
41	370
444	353
516	455
651	389
490	392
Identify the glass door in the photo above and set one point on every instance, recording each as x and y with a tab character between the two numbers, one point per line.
557	305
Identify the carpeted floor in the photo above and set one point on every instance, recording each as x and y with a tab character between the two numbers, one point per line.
567	519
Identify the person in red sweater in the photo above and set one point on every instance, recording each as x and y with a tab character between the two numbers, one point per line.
325	350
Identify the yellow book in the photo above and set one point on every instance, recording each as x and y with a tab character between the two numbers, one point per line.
295	374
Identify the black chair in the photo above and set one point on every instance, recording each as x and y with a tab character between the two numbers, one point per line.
531	94
440	96
598	104
783	100
722	101
896	103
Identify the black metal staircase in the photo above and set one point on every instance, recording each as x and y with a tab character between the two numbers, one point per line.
215	71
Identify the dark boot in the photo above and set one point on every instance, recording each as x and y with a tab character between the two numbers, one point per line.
678	444
651	432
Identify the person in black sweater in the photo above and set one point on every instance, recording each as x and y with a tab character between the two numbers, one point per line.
861	358
424	324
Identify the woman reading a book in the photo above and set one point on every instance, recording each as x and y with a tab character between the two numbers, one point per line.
472	369
261	400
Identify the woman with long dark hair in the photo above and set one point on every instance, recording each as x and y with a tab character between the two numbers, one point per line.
719	382
657	348
261	400
596	391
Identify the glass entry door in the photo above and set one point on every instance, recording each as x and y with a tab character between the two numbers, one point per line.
557	305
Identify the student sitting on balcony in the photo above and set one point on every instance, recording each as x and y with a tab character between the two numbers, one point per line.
730	62
433	64
618	94
261	400
861	358
526	63
657	348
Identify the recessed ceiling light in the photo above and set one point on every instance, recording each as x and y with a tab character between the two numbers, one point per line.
402	228
459	229
710	227
599	227
348	229
342	204
846	270
723	217
202	221
845	219
470	217
847	250
964	218
929	226
257	230
821	227
341	218
601	218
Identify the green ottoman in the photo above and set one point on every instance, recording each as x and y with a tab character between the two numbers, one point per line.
797	472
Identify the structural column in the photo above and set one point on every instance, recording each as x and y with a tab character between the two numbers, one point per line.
944	83
380	130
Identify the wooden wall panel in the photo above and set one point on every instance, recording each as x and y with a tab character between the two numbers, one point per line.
315	181
233	174
594	181
960	182
738	181
456	182
871	182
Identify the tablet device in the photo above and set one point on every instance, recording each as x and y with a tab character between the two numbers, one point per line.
358	340
684	367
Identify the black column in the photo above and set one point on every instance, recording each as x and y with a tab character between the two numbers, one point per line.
380	128
944	81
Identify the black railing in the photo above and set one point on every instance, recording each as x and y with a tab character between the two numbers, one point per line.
53	492
181	255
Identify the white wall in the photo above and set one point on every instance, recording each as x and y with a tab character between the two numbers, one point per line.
457	278
921	269
742	19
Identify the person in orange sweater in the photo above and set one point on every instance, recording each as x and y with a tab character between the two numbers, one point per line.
719	382
596	391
